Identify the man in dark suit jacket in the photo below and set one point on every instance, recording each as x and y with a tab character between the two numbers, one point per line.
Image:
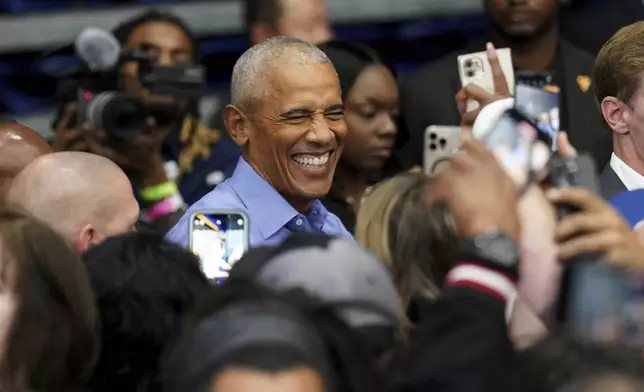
589	28
619	91
529	28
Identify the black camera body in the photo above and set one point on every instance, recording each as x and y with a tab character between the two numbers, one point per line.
124	115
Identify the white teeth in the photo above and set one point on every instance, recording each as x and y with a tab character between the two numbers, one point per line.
312	160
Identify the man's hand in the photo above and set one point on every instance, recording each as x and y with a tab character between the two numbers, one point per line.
472	91
478	193
596	228
67	137
564	148
140	157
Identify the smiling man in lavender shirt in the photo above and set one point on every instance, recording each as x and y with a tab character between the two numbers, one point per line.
287	116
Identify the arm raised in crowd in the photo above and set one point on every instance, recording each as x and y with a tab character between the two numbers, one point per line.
462	340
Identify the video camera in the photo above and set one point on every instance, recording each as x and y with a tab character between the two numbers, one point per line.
121	114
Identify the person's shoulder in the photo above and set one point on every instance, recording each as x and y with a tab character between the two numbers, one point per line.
577	57
434	72
335	226
223	196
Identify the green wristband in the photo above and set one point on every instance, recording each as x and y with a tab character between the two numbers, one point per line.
159	192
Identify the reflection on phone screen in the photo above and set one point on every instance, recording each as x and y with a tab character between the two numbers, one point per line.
512	140
606	304
219	240
540	103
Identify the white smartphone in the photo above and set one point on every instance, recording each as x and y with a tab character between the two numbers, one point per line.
475	68
441	142
219	239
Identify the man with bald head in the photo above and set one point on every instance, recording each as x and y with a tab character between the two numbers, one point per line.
288	118
86	198
19	146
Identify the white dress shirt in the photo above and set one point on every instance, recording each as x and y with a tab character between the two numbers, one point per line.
629	177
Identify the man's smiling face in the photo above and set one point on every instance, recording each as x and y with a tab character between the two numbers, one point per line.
296	133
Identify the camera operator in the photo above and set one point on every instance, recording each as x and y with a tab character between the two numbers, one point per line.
176	160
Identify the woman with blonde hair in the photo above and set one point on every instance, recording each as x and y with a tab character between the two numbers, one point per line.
416	241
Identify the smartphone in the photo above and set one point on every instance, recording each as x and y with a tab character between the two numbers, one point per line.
219	239
537	96
512	138
596	302
441	142
475	68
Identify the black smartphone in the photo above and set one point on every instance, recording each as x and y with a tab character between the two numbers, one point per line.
596	302
537	96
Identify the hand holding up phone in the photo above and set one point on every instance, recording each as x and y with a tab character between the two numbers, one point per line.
596	228
491	206
479	94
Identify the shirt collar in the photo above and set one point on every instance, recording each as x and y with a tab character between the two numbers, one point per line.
629	177
268	210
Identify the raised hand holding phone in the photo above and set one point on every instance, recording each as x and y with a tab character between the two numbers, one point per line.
473	92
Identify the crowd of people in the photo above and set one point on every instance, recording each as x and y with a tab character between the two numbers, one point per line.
363	272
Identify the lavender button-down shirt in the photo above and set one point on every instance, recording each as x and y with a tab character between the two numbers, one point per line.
271	217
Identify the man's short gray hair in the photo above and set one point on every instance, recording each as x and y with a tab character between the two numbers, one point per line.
251	70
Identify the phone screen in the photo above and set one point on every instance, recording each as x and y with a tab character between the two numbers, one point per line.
537	97
219	240
512	139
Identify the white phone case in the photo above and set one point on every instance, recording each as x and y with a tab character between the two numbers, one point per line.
474	68
441	142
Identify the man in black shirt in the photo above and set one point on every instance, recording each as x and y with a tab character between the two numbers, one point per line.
590	27
529	28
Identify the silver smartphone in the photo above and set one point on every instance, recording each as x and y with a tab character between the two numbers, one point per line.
441	142
474	68
219	239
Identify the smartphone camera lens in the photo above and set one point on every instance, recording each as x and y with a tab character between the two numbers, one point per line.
432	136
470	74
432	147
442	143
468	63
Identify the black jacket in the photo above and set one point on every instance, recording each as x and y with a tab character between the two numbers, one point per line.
427	98
462	345
589	28
609	184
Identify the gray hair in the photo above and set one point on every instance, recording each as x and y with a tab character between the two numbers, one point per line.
249	74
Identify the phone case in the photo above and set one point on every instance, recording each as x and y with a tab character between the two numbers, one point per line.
474	68
441	142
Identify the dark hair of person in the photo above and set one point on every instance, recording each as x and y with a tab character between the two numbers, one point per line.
350	356
123	31
349	60
52	344
559	363
143	285
267	12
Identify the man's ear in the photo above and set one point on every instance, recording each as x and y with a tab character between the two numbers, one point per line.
260	32
84	239
616	113
236	124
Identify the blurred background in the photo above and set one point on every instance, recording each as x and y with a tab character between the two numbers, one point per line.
37	36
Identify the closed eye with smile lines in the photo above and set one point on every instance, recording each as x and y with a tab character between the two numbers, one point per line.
299	115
